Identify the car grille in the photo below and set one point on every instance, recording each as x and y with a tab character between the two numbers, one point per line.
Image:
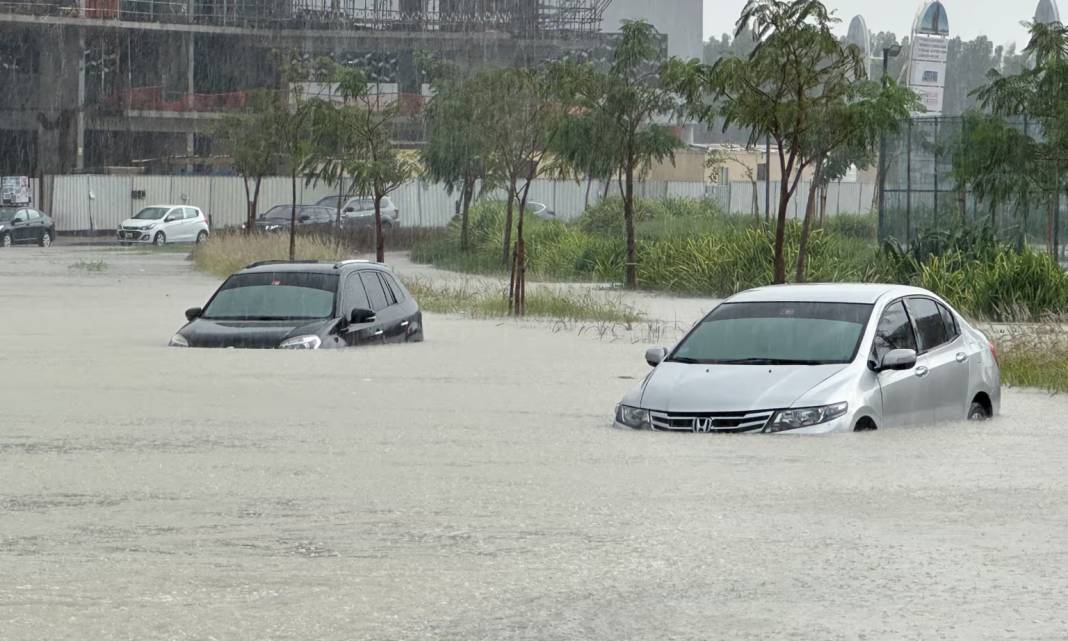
729	422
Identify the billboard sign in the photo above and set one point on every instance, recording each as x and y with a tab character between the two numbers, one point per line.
15	190
927	69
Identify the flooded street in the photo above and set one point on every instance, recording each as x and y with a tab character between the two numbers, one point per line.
470	488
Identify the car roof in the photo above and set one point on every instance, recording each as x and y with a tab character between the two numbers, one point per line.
165	206
311	266
860	293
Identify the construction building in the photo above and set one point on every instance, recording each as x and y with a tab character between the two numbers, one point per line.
91	84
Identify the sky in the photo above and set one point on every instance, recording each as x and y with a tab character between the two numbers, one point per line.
997	19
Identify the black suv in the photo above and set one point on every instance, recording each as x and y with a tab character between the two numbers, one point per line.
305	305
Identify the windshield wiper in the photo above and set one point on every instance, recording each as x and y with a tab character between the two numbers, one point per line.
683	359
769	361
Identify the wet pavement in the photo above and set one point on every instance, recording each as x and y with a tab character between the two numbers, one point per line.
470	488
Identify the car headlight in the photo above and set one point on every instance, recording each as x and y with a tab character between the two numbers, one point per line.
633	417
179	341
301	342
805	417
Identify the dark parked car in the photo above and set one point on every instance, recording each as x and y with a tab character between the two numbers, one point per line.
305	305
309	218
25	225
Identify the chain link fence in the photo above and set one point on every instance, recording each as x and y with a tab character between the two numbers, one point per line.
921	193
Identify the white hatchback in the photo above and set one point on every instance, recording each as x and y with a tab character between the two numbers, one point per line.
160	224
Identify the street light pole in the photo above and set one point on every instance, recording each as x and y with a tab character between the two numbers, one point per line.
888	52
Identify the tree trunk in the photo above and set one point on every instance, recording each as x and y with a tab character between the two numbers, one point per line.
465	211
293	221
340	204
631	277
589	186
823	204
249	212
806	226
1050	216
518	297
508	222
380	241
756	201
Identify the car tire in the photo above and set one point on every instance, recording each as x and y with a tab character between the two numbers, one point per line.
46	239
160	239
978	412
202	236
5	240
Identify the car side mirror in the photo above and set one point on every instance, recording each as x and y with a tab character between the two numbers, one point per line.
655	355
898	360
362	316
193	313
348	210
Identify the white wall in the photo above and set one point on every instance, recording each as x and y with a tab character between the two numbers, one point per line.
421	204
681	20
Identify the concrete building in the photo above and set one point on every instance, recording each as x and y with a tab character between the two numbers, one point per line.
682	21
89	84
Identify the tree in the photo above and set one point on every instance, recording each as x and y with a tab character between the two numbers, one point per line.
792	84
1039	93
456	146
615	110
355	139
250	137
521	124
292	131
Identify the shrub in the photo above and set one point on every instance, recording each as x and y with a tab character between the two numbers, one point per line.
225	253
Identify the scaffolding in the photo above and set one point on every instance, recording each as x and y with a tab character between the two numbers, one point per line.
525	17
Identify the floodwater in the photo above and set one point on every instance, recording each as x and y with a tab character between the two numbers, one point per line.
470	488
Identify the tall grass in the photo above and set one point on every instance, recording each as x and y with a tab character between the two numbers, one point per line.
223	254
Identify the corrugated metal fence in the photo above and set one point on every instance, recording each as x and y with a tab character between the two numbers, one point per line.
85	202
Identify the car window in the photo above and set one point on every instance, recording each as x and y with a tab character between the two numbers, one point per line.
930	326
893	332
375	294
174	214
34	214
191	212
20	216
394	287
952	331
356	294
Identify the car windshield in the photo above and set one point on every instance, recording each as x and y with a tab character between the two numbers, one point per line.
274	296
776	334
7	214
152	213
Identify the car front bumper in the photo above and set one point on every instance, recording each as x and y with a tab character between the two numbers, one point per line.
129	236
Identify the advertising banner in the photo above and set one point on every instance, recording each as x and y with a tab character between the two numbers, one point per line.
15	190
927	70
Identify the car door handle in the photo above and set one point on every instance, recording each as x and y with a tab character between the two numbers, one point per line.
921	371
962	357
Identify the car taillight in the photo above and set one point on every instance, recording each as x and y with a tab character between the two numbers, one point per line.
396	214
993	351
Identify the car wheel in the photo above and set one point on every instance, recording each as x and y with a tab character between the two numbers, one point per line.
978	412
160	239
202	236
46	239
5	240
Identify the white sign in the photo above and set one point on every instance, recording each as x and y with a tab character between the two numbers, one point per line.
15	190
927	74
931	48
930	98
927	70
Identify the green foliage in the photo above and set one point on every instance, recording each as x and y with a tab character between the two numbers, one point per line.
856	226
90	266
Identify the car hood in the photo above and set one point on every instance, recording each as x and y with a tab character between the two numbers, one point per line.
248	334
683	387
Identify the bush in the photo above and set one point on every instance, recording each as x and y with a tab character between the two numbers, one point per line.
860	227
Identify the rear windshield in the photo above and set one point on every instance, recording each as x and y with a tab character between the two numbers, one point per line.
776	334
281	212
274	296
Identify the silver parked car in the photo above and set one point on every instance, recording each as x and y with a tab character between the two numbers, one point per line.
160	224
359	211
819	358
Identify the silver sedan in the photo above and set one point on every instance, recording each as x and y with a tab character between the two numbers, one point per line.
809	359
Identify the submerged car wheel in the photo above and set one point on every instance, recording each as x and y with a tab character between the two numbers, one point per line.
46	239
978	412
201	237
160	239
5	240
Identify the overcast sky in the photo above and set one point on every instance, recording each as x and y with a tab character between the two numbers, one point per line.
997	19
